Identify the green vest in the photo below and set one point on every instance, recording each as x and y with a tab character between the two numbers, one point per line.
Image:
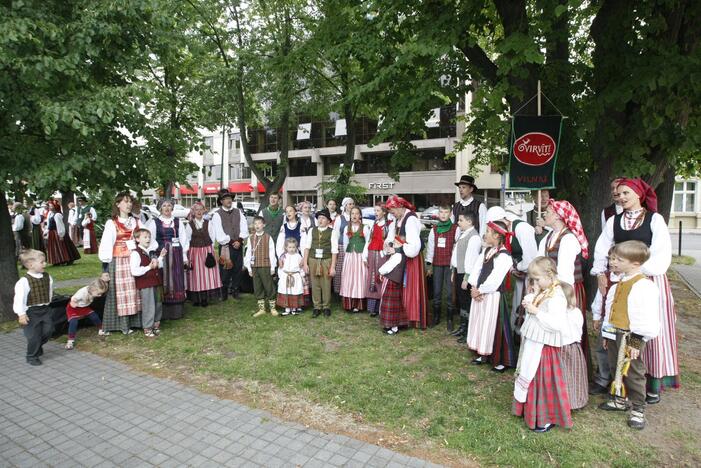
356	242
516	249
320	240
39	290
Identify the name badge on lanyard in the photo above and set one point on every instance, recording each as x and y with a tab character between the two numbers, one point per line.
318	253
441	242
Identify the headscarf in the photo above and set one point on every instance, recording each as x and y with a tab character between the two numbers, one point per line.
504	232
165	200
647	195
345	202
570	217
191	214
395	201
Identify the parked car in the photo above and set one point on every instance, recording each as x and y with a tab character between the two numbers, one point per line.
430	215
179	211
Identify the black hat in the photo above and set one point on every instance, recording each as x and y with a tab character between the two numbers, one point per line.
222	194
467	180
324	212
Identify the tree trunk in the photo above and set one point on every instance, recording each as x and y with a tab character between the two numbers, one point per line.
665	192
8	265
66	196
346	173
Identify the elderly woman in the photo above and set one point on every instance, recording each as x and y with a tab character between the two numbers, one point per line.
640	221
170	234
203	279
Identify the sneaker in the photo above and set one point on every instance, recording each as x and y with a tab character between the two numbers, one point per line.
636	420
287	312
500	369
128	332
545	428
478	361
614	404
70	344
596	389
652	398
102	332
156	331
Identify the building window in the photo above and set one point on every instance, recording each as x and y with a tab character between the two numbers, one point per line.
298	197
424	160
208	142
234	142
300	167
212	172
239	172
332	164
684	197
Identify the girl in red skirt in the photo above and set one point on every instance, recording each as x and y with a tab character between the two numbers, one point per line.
540	390
290	286
79	308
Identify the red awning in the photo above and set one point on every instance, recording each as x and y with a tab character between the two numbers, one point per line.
239	187
185	190
211	188
261	188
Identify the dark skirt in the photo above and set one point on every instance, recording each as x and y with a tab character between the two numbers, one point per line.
174	294
56	252
547	401
339	269
71	249
350	303
503	353
37	239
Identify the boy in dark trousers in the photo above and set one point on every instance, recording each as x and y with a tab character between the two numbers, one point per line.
438	252
33	294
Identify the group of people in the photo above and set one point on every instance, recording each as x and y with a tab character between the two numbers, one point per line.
477	260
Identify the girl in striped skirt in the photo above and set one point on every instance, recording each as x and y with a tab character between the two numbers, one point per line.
540	391
122	303
340	225
382	230
290	287
574	365
204	282
355	270
489	329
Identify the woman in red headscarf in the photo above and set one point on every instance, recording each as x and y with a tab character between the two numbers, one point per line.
567	245
640	221
404	299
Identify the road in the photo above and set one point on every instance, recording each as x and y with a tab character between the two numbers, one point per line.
691	245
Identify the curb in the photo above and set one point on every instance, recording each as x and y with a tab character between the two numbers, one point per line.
688	283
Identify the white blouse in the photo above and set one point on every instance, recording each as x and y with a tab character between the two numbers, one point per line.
412	246
198	224
566	254
280	242
502	266
109	238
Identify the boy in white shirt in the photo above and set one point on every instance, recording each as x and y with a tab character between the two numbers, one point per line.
260	260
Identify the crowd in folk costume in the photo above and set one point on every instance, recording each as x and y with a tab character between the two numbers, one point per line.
476	260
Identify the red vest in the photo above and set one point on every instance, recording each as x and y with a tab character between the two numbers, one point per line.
441	255
152	278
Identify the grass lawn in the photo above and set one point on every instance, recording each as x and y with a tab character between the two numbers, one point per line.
683	260
418	386
89	266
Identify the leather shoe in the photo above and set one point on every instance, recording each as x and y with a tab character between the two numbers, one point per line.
316	313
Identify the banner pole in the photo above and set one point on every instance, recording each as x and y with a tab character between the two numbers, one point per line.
540	207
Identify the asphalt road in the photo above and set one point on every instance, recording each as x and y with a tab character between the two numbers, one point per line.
691	245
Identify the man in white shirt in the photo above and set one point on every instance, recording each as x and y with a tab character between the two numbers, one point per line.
466	188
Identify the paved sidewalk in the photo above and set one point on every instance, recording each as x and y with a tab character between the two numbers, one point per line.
691	275
72	283
79	409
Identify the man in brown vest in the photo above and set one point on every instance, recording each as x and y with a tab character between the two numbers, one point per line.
230	230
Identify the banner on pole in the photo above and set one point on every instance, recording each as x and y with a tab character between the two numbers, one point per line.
534	144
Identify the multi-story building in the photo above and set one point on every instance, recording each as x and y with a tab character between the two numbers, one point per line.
685	205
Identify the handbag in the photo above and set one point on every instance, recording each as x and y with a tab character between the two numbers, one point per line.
210	262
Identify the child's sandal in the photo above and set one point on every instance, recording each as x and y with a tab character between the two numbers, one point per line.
70	344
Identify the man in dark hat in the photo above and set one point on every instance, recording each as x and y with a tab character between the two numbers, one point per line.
230	230
468	204
320	248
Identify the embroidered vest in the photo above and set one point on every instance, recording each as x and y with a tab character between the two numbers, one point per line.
461	246
165	235
441	255
320	240
642	233
231	222
295	233
356	242
151	278
273	223
124	234
200	237
473	207
516	249
39	290
261	254
553	251
619	308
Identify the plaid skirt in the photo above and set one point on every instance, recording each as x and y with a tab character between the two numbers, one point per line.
374	285
392	312
56	252
547	401
350	303
337	280
574	369
121	295
291	301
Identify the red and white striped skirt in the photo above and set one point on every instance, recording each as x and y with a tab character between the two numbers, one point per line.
660	354
483	323
199	277
354	276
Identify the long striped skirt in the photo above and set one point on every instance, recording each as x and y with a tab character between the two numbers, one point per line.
415	294
200	278
373	292
89	240
504	351
660	355
547	401
337	279
581	295
37	238
173	283
355	278
71	250
122	301
56	252
574	368
481	329
392	312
